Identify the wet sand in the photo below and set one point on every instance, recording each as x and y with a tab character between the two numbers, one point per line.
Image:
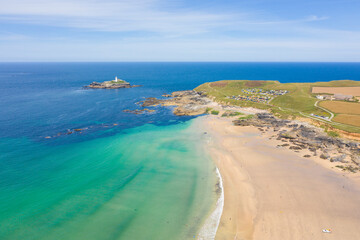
274	193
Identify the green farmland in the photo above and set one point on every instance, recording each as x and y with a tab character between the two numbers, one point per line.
297	102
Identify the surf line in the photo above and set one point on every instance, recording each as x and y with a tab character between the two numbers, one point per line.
209	229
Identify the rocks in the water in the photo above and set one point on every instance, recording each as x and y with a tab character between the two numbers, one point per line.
151	101
139	111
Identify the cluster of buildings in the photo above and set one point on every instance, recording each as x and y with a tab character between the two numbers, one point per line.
337	96
264	92
258	95
253	98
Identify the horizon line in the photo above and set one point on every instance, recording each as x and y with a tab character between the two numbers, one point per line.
179	62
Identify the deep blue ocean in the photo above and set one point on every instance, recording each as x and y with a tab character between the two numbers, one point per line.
98	183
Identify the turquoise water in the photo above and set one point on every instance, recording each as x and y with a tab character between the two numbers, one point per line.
123	176
148	183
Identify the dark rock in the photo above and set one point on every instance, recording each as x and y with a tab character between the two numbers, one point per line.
288	135
150	102
338	158
312	149
324	156
295	148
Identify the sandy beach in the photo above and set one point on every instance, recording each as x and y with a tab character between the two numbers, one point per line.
275	193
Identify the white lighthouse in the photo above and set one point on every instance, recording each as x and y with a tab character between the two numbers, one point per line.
116	79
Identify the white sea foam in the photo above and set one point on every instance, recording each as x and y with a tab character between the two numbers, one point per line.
208	230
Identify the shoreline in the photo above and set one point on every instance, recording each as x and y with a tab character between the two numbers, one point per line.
274	193
209	229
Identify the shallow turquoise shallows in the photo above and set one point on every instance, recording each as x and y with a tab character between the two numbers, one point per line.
151	182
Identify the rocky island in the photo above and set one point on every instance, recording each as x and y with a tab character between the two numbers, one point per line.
113	84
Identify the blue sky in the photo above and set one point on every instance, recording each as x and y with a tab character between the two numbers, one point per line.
180	30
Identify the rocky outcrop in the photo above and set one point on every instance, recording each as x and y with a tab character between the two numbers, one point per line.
188	102
111	85
300	137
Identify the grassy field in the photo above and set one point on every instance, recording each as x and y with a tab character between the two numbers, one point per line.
299	101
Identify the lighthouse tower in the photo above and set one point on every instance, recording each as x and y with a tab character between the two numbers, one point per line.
116	79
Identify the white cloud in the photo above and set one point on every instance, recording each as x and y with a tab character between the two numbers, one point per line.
166	31
109	15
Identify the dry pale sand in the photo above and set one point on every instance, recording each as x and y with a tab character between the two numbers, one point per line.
273	193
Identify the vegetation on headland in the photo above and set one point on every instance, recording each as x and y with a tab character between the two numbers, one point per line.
250	116
231	114
118	82
215	112
332	134
298	102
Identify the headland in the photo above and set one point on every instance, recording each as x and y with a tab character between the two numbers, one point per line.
290	167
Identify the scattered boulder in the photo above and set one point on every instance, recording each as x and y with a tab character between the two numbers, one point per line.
338	158
288	135
324	156
295	148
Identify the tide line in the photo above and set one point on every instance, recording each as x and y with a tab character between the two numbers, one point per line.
209	229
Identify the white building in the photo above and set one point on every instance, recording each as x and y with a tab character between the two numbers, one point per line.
116	79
